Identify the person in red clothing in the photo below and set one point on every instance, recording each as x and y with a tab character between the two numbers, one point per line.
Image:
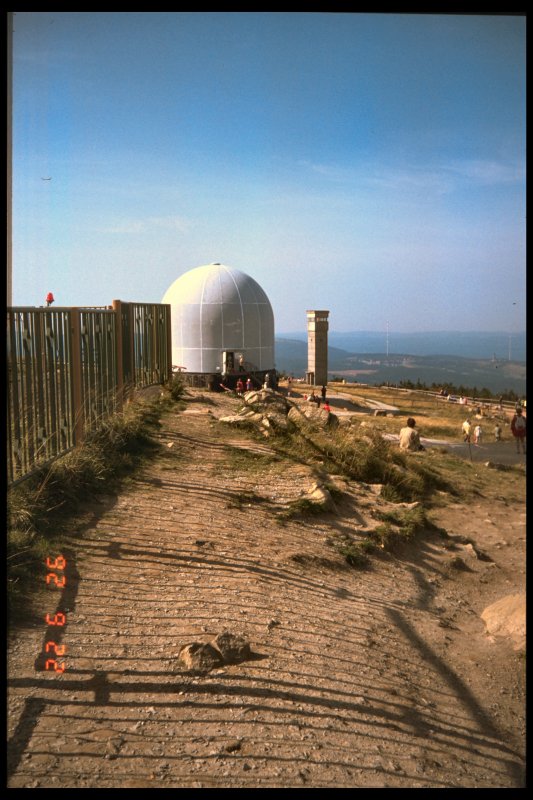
518	429
49	299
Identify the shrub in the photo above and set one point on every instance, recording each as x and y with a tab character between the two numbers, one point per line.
176	387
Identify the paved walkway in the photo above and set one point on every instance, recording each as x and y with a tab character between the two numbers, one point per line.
496	452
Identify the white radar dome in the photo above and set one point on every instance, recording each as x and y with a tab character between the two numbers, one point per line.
222	321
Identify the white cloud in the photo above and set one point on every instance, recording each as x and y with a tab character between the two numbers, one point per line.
438	179
488	172
391	179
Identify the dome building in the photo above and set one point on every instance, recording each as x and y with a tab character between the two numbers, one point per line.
222	324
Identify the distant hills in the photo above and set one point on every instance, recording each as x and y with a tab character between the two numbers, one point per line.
468	359
469	344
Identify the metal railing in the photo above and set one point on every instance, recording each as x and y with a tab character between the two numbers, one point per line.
69	368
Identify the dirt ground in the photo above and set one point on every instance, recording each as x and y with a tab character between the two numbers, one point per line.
385	677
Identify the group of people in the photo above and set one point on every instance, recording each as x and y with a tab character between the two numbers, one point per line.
240	386
313	398
409	438
476	434
518	430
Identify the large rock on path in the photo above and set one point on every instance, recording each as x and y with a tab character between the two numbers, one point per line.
507	617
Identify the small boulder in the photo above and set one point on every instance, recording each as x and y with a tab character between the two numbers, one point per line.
243	420
310	415
232	647
321	496
475	552
200	657
507	617
457	563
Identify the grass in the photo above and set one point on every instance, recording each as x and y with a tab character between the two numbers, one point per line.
362	454
40	510
436	418
433	478
303	507
240	460
397	528
356	554
243	499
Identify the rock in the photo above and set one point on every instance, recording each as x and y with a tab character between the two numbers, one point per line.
200	657
344	422
337	483
476	553
471	550
238	419
232	647
265	397
310	415
320	495
507	617
276	420
233	747
457	563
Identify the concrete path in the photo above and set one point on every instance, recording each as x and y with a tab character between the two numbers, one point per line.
496	452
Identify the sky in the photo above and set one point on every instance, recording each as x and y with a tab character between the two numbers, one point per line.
368	164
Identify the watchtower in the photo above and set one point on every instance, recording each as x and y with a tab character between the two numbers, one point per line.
317	348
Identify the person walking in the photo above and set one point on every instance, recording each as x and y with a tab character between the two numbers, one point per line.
497	432
466	429
478	434
518	429
240	386
249	385
323	392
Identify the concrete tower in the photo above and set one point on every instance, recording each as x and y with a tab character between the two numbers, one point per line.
317	348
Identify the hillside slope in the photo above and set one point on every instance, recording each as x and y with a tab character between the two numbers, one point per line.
375	367
377	678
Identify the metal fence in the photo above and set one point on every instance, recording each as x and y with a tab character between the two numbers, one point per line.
69	368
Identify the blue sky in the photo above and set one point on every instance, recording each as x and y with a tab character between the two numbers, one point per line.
370	164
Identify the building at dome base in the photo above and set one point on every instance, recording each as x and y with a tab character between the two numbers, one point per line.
222	325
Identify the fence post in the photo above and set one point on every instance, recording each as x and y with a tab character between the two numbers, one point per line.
168	319
77	397
117	308
130	309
